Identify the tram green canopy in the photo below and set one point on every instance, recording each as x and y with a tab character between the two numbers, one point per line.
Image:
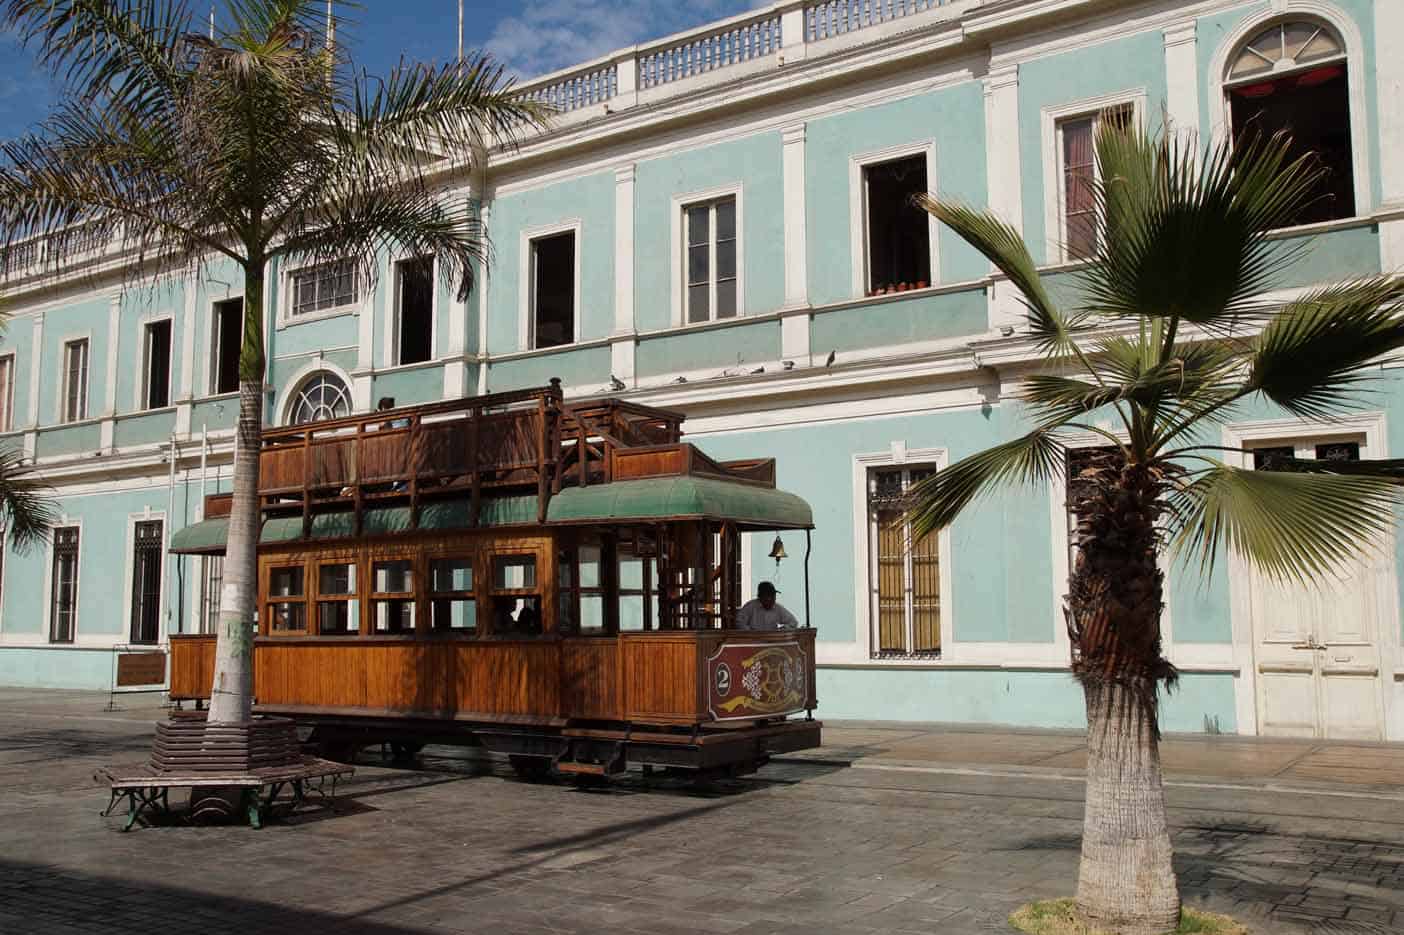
688	497
649	499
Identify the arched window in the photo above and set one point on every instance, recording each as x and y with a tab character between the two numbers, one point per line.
321	396
1293	76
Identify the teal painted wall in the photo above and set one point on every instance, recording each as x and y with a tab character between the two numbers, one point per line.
83	318
954	118
407	387
898	322
17	338
155	428
1131	64
584	369
43	667
754	163
1330	257
1034	699
214	414
733	347
81	439
139	308
589	199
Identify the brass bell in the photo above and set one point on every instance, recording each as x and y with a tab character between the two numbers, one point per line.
777	551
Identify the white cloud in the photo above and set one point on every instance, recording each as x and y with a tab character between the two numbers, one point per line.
552	34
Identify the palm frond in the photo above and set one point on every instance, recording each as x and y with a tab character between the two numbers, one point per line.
938	499
1293	526
1001	245
25	501
1187	237
1313	356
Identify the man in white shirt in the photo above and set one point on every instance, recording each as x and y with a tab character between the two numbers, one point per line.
763	613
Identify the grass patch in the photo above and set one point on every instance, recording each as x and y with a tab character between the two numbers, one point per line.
1058	917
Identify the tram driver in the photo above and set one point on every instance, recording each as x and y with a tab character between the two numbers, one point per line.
763	613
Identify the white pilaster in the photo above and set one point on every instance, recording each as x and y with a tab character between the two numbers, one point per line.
36	358
1003	179
792	33
1182	81
188	364
622	341
114	312
796	236
626	87
1389	73
484	288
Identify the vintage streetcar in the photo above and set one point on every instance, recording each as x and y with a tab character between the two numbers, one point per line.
553	581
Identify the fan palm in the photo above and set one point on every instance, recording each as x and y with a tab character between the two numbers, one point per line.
1167	336
256	143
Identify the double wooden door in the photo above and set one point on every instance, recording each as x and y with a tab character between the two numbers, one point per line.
1317	649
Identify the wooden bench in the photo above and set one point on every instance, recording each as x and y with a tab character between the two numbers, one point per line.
144	787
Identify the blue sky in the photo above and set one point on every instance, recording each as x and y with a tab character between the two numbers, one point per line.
530	36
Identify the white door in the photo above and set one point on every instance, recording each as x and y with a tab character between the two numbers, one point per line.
1317	649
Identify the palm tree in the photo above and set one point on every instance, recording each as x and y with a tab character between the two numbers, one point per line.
257	143
1166	337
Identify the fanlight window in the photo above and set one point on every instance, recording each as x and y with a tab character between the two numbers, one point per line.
321	396
1284	47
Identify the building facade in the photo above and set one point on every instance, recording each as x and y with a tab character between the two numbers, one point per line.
718	222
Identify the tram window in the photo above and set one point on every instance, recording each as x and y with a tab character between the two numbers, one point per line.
452	606
513	572
288	615
392	604
338	611
633	593
516	616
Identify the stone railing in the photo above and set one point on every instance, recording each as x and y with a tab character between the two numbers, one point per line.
829	18
778	34
29	256
697	53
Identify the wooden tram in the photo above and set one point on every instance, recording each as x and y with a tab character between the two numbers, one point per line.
553	581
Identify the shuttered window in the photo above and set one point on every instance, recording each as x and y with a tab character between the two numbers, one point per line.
63	611
146	582
905	575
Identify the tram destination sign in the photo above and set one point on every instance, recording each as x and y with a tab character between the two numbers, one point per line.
751	680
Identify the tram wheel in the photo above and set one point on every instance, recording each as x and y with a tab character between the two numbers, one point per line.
404	751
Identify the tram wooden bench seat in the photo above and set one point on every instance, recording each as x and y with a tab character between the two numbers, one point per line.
143	786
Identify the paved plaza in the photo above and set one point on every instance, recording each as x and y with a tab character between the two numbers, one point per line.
888	828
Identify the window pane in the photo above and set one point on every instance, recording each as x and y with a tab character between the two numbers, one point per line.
726	299
337	579
697	303
698	225
452	574
698	264
631	612
590	558
285	582
393	616
726	219
339	618
592	612
514	616
514	571
395	577
631	574
726	259
454	613
289	618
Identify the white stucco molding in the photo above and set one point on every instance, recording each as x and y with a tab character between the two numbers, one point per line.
288	391
858	207
526	326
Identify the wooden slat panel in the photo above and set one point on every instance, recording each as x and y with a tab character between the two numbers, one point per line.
281	469
662	677
926	596
192	667
891	592
333	463
590	679
508	677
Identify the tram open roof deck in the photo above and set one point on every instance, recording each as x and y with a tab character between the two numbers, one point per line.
529	443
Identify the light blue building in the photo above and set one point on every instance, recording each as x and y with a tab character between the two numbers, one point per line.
718	222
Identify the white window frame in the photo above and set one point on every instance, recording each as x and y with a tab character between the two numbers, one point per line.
202	596
897	456
858	210
287	299
46	635
393	328
1221	115
678	267
7	399
60	416
526	279
211	368
1055	196
143	386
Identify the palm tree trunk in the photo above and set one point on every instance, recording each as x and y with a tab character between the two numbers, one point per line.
1126	882
231	696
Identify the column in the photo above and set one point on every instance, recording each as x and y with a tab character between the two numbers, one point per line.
1182	81
484	288
36	364
1389	73
187	354
794	321
109	405
1003	179
364	374
623	341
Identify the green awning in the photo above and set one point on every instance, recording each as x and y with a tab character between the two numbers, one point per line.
208	537
660	498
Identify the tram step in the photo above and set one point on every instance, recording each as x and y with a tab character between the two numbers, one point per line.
581	769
